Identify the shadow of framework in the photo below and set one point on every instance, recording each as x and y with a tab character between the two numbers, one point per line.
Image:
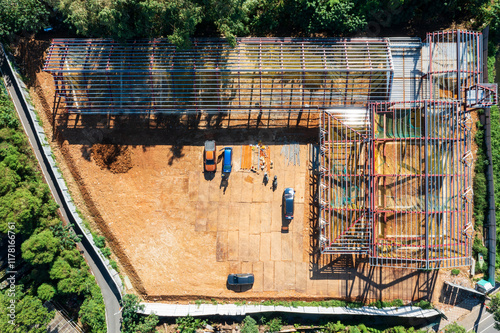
359	281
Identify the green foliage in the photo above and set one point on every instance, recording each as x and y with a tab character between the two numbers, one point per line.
114	265
106	252
100	241
188	324
31	315
455	271
354	329
304	16
22	16
362	328
134	322
382	304
454	328
494	304
49	246
424	304
45	292
331	327
396	329
249	325
274	325
92	311
40	248
66	235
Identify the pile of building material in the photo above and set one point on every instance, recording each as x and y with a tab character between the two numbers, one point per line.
291	153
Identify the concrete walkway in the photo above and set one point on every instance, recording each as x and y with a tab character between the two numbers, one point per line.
181	310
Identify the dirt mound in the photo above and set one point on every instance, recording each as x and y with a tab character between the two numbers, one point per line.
115	158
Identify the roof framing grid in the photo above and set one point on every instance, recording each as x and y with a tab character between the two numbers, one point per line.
395	184
282	74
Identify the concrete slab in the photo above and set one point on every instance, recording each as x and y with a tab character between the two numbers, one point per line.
268	276
289	275
265	216
234	216
234	267
279	275
222	246
212	215
276	215
233	246
286	247
301	276
246	267
265	247
297	246
243	245
254	248
258	272
244	219
222	216
255	218
276	246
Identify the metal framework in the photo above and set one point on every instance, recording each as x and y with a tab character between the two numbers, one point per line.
395	141
395	177
103	76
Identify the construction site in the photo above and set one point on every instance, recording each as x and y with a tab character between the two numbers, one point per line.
374	135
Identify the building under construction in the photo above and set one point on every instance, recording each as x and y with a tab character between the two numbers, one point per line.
395	167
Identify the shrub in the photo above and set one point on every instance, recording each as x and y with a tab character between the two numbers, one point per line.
424	304
106	252
274	325
189	324
249	325
454	328
455	271
397	303
114	265
333	327
100	241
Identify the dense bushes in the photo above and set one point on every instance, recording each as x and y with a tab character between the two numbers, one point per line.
178	20
53	266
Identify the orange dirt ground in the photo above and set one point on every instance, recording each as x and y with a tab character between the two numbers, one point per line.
177	233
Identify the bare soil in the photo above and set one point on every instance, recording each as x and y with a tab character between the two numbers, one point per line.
178	232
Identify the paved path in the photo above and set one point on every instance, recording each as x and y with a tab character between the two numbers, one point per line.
479	320
181	310
109	291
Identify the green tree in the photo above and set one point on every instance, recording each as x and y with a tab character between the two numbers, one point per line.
9	179
133	322
30	314
45	292
40	248
19	208
66	235
92	314
22	16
